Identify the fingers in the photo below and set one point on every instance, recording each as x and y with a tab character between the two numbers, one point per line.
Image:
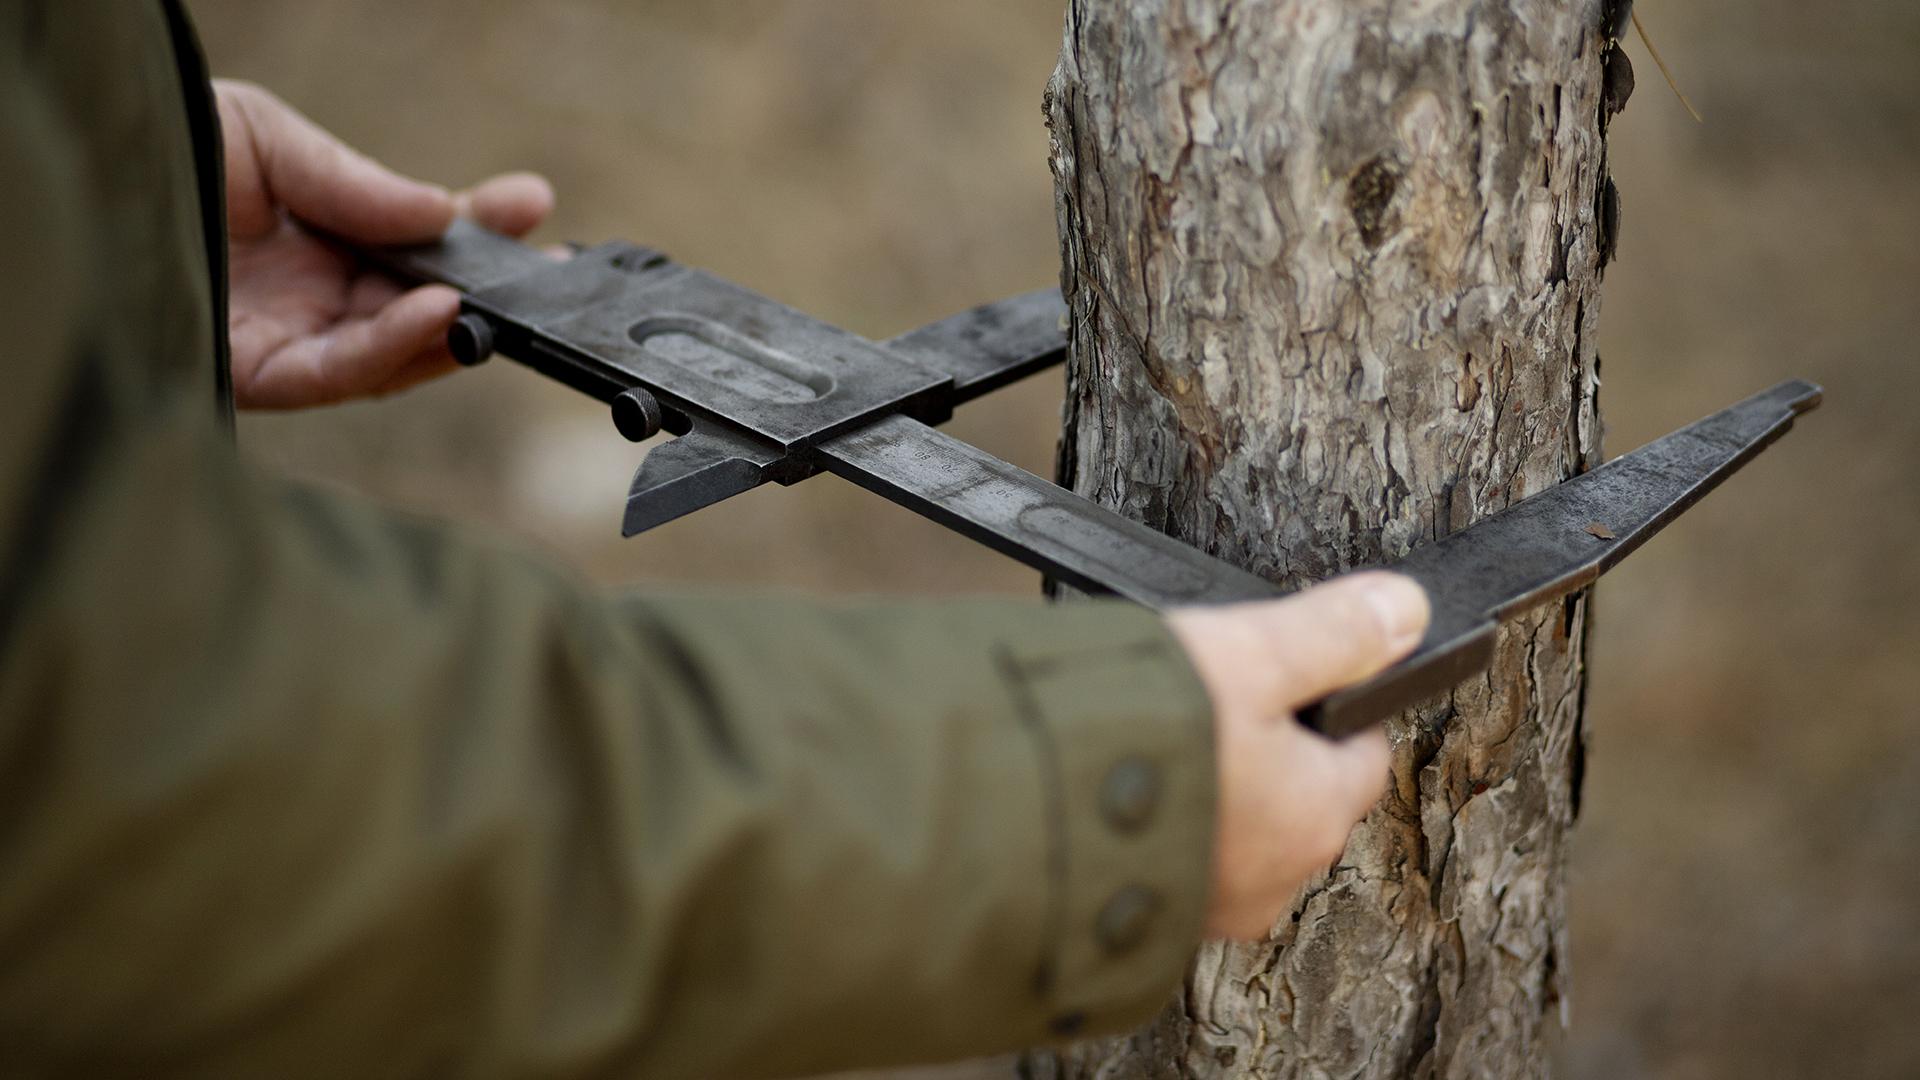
1353	773
395	347
369	294
277	158
424	368
1288	801
514	204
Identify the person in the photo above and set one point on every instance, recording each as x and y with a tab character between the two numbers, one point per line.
291	785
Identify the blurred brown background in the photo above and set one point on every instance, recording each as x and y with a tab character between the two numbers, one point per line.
1747	877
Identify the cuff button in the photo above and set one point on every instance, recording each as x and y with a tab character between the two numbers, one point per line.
1123	923
1130	794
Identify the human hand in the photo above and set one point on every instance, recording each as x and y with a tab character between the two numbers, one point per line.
309	324
1288	797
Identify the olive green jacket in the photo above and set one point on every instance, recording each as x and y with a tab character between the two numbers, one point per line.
293	786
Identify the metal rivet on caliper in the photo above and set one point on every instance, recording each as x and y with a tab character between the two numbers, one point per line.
637	414
470	339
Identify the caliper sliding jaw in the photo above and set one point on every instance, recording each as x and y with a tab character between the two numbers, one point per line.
758	392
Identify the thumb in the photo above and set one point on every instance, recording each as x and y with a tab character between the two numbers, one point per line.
1273	657
1340	633
278	159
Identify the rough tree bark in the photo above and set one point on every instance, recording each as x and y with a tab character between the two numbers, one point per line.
1334	271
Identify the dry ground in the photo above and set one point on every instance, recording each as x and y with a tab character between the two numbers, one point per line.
1747	870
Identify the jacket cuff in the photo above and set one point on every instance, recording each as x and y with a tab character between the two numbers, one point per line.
1124	734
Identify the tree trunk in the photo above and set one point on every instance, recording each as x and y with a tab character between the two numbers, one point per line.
1334	272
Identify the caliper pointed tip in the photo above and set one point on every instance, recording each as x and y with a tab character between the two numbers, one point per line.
636	522
1807	396
1797	396
639	517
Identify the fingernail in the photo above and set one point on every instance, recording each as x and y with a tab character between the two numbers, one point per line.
1402	609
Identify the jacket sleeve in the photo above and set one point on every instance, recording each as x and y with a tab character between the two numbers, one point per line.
289	786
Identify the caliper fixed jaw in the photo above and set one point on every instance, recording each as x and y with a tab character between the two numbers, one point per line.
1553	545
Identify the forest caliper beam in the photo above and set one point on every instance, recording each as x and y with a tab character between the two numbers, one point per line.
758	392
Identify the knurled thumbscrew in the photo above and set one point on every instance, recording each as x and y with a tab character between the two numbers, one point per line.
470	339
637	414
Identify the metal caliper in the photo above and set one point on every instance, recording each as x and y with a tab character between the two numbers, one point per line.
757	392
